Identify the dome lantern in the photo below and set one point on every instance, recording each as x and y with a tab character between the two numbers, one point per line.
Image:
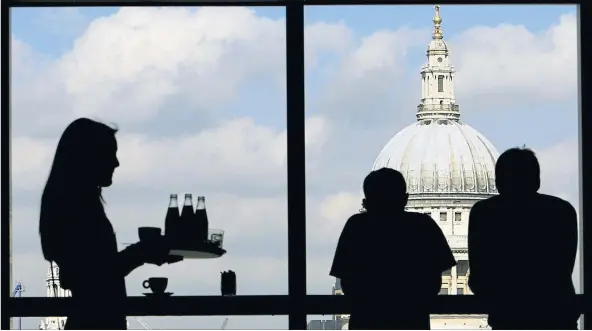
437	79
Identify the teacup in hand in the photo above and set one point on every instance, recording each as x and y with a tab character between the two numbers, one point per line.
156	284
147	233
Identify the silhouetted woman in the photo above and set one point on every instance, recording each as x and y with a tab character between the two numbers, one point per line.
77	235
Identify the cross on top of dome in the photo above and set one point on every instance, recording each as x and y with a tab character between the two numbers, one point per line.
437	21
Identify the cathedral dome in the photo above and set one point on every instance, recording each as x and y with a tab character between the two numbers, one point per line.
441	156
439	153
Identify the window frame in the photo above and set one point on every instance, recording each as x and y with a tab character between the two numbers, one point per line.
297	305
440	83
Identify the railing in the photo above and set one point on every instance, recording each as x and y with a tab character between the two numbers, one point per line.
238	305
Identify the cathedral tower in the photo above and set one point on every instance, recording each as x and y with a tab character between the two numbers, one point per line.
54	290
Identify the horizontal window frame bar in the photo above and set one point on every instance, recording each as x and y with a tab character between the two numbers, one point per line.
427	2
259	3
240	305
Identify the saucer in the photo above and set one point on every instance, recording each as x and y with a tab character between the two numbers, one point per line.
165	294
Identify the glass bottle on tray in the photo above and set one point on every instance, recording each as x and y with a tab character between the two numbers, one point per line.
187	215
201	220
172	221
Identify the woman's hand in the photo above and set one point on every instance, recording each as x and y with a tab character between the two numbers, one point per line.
174	259
154	251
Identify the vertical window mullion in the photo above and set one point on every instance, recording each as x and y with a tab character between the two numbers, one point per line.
296	163
584	158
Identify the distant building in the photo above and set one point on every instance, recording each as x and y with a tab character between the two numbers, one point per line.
54	290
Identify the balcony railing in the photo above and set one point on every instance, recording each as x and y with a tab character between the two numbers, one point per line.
238	305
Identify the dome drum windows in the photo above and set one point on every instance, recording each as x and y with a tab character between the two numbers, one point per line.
427	180
481	176
469	180
442	181
456	181
481	181
491	177
412	181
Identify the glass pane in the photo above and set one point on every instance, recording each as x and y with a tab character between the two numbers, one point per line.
375	83
198	96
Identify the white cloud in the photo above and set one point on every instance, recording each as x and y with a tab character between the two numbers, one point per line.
509	62
324	222
239	152
325	37
143	62
336	209
369	73
560	165
128	64
560	170
38	98
30	162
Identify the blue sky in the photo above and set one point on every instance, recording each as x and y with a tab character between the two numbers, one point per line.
199	96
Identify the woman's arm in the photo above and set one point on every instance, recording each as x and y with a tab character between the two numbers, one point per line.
155	252
130	258
86	244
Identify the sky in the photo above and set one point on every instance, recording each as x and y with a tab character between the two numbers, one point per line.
199	97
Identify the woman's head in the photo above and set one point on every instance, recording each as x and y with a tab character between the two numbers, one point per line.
86	154
84	162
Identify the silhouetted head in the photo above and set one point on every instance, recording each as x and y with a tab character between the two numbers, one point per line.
385	190
517	171
84	162
86	154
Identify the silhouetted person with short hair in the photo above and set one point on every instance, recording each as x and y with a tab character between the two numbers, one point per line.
390	262
522	250
77	235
